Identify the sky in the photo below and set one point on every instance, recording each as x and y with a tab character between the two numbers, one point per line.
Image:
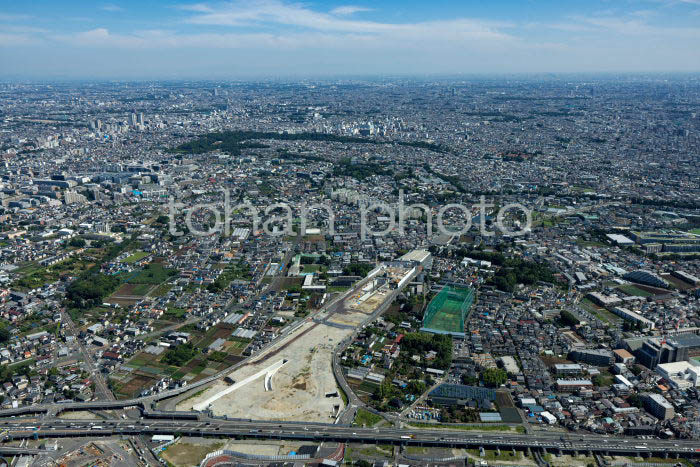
241	39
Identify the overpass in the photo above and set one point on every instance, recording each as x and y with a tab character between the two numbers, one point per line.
19	451
556	443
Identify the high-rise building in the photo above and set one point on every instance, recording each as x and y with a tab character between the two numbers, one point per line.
72	197
658	406
657	350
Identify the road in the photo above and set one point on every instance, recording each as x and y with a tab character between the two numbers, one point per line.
354	402
319	432
102	392
53	427
167	329
111	403
146	401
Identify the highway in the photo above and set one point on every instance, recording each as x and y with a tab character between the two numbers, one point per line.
319	432
198	424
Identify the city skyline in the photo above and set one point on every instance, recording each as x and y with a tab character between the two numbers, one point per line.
278	38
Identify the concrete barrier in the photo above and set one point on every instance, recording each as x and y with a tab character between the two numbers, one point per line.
241	455
269	370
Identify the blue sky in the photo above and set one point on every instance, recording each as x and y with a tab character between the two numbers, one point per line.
278	38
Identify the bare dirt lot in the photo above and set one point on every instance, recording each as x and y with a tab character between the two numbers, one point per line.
304	387
189	451
299	387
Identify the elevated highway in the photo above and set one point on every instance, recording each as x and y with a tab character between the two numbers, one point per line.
319	432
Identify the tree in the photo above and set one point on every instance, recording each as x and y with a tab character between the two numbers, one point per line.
416	387
88	292
635	401
180	355
77	242
469	380
358	269
418	343
569	318
494	377
600	380
5	333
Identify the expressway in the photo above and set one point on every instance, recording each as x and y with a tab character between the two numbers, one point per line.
198	424
319	432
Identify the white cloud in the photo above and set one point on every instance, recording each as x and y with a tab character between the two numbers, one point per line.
112	8
289	25
276	36
197	7
348	10
13	17
13	40
21	29
616	26
277	13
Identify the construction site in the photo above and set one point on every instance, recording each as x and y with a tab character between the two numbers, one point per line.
293	378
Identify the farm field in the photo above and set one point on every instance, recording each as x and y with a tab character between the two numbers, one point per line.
137	256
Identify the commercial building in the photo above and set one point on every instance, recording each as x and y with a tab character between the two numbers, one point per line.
623	356
685	277
620	239
670	241
421	257
510	365
603	300
681	375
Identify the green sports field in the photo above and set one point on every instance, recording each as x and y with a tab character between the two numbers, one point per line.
447	311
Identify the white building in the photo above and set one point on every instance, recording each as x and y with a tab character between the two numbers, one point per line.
681	375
